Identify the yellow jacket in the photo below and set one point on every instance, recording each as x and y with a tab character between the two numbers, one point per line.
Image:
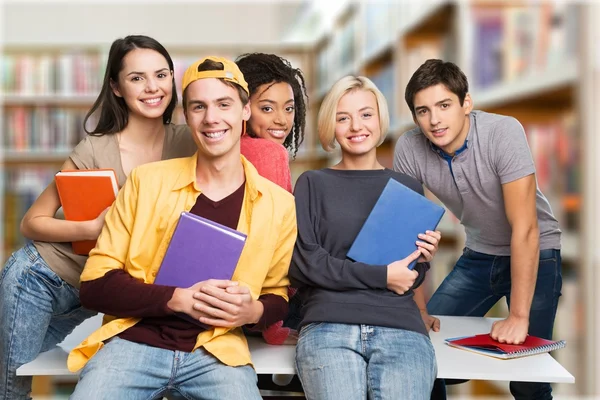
139	226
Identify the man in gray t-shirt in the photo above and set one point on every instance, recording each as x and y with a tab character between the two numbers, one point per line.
480	166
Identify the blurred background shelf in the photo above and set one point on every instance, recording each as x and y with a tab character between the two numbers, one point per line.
49	99
525	59
36	156
537	86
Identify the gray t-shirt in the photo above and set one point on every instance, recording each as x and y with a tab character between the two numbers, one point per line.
497	153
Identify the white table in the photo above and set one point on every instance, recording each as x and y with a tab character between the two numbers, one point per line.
452	363
460	364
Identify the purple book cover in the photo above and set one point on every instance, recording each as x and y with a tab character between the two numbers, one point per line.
199	250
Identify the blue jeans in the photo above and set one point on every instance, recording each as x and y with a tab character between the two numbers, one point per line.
479	280
126	370
340	361
37	310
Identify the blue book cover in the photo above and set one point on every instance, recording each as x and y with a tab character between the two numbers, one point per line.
390	231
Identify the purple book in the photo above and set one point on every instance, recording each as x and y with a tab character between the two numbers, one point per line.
200	249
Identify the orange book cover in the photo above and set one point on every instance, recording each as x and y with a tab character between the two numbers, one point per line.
84	194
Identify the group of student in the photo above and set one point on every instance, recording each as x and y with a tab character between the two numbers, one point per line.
361	330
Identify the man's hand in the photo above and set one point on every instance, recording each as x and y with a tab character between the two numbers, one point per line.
512	330
183	298
227	308
399	278
428	244
431	323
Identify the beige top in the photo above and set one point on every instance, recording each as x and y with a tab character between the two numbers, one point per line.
103	152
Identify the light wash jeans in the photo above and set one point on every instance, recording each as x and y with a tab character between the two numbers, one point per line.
126	370
340	361
478	281
37	310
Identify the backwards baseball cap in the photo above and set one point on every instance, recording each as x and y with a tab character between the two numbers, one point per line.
230	72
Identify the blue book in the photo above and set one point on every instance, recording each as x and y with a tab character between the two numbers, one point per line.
390	231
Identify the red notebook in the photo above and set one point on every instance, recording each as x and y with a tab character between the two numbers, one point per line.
84	194
484	344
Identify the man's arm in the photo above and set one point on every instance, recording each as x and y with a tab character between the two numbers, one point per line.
520	205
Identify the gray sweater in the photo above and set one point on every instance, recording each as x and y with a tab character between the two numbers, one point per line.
331	207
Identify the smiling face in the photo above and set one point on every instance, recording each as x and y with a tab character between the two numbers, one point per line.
441	117
145	83
273	112
214	112
357	127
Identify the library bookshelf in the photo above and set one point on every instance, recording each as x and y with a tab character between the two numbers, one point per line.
522	59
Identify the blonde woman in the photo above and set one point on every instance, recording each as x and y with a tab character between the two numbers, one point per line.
361	334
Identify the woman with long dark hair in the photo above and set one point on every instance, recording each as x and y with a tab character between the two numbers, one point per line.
39	295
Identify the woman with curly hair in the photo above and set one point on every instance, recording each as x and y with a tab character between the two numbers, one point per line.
278	102
277	97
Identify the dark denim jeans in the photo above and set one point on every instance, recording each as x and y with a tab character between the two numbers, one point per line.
478	281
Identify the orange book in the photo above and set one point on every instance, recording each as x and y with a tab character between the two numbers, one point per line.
84	194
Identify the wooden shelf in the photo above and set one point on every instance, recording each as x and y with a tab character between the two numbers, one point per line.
533	87
35	156
48	99
402	125
382	53
433	17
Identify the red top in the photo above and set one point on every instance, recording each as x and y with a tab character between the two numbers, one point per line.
270	159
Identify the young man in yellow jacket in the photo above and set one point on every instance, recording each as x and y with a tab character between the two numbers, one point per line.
147	350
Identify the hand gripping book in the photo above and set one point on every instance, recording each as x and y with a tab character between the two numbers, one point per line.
390	231
485	345
84	194
200	249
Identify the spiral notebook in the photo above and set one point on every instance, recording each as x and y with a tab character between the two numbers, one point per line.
485	345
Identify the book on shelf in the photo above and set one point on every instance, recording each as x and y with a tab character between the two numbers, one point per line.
378	26
384	80
393	225
22	186
484	344
44	128
556	152
27	73
511	42
84	194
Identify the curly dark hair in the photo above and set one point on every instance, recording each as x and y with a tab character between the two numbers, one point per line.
260	69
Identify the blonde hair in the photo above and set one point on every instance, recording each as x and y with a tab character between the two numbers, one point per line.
327	113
